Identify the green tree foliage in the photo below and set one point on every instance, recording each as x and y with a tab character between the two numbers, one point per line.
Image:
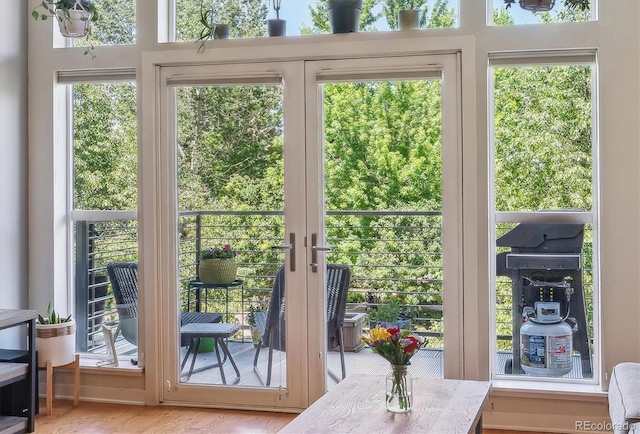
246	18
105	151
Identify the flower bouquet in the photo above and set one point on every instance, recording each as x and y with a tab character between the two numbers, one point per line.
397	346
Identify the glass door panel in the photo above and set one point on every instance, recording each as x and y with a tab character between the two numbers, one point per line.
230	156
384	155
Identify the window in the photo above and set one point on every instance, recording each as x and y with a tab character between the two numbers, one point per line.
104	178
545	200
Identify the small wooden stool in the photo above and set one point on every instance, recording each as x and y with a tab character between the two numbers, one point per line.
51	385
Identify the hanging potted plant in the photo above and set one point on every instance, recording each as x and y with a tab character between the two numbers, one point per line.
55	339
547	5
218	265
409	19
277	27
74	16
344	15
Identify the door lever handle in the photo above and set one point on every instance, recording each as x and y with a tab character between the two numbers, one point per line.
314	252
291	247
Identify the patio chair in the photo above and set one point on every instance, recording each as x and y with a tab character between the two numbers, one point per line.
124	279
271	324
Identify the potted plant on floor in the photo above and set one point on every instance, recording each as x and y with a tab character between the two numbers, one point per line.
218	265
344	15
389	314
55	339
547	5
254	311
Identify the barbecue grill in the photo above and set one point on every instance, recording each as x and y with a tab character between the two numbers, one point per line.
544	264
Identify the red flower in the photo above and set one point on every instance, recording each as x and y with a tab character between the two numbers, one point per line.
413	344
393	330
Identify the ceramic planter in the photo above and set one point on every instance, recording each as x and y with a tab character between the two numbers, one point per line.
276	27
408	19
76	25
56	343
344	15
537	5
217	271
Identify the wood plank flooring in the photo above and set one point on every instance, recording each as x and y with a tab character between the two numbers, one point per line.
96	418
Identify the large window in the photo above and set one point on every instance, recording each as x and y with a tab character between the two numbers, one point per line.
104	168
545	185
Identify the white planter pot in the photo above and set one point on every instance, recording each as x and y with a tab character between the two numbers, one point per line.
77	25
56	343
408	19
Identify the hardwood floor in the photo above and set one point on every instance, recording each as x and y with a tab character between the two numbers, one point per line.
90	418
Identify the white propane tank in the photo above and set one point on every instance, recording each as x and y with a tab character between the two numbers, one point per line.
546	342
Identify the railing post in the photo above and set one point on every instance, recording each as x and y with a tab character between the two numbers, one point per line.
82	284
198	248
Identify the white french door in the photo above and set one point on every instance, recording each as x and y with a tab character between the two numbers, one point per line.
188	98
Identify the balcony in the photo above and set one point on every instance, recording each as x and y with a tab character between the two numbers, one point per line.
392	255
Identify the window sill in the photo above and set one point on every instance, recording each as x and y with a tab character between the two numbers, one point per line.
542	389
89	363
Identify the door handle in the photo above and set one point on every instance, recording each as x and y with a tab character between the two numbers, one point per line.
292	250
314	252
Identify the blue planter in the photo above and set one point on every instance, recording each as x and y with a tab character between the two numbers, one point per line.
400	323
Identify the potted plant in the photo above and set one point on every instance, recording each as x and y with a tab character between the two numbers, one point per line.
210	30
74	16
547	5
55	339
276	27
389	314
409	19
218	265
344	15
251	320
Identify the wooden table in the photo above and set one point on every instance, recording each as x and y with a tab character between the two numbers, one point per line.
357	405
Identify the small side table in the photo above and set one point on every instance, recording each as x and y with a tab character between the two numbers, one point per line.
51	385
219	332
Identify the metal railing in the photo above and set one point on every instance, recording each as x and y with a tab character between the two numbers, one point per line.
391	254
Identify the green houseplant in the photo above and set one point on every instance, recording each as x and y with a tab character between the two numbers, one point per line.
409	18
55	338
210	30
74	16
389	314
218	265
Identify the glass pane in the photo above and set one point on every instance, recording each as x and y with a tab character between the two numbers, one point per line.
104	146
510	12
231	192
115	24
543	140
247	19
104	179
544	271
383	190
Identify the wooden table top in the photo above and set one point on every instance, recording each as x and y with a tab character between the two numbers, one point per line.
357	405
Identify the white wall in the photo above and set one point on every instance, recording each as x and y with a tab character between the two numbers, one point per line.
13	157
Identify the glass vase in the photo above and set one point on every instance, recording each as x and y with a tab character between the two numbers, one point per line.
399	388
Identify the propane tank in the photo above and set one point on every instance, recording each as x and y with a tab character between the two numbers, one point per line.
546	342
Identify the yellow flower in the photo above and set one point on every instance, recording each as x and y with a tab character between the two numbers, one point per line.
377	334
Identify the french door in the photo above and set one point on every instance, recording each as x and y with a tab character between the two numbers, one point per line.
243	162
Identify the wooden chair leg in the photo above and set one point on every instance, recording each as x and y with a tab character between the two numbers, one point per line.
50	388
76	381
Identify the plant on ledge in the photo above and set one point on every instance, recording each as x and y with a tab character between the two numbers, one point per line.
547	5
